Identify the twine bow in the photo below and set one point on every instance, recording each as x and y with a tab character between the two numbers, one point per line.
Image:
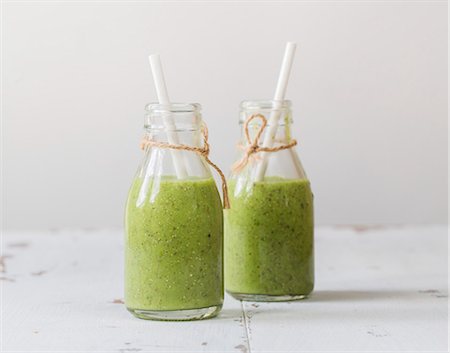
253	146
202	151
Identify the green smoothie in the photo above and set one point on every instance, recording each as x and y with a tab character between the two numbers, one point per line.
269	240
173	245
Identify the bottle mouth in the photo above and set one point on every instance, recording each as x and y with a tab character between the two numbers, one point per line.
158	108
267	108
176	117
265	104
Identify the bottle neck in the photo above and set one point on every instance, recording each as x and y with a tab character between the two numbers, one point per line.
176	123
276	115
274	153
279	132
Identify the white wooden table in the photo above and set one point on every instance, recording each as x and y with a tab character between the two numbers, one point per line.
382	289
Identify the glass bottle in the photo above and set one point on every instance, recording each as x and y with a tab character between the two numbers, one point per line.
173	225
269	229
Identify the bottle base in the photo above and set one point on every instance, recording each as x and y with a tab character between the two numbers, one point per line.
267	298
177	315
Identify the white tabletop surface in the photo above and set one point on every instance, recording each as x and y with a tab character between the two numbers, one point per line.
377	289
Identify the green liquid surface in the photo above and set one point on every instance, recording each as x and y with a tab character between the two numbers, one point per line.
173	246
269	233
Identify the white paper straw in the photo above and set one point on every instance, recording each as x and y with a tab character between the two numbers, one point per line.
280	92
163	98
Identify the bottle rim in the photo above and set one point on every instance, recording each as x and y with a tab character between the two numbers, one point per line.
173	108
265	108
185	117
265	104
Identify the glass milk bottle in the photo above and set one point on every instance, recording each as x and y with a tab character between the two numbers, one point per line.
173	224
269	227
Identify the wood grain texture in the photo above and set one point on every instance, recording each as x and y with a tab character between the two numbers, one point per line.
382	289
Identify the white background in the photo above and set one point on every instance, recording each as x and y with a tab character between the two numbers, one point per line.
369	92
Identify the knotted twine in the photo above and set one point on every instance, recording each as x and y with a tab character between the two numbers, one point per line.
253	147
202	151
